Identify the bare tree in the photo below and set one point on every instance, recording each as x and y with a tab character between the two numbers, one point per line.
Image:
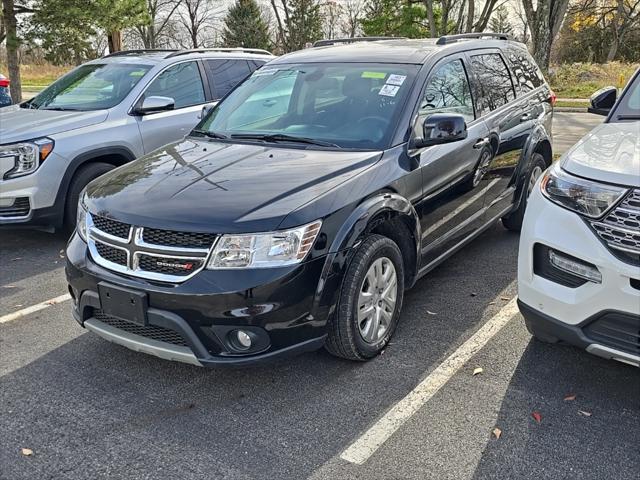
10	10
332	12
544	21
626	16
160	14
350	24
195	17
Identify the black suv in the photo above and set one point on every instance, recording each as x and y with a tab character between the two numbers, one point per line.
299	210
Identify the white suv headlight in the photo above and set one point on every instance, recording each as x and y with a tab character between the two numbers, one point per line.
586	197
262	250
27	156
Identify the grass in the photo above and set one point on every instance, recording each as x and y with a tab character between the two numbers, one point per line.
580	80
561	103
36	77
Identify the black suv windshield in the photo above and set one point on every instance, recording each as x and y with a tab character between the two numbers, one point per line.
90	87
339	105
629	106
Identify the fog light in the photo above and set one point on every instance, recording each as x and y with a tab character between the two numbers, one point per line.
579	269
242	340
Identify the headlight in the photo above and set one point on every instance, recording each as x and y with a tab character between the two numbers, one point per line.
27	156
81	219
588	198
261	250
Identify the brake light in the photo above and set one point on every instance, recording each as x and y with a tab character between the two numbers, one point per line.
4	82
553	98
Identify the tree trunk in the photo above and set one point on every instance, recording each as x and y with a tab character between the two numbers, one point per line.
433	30
615	30
13	44
471	15
544	23
115	41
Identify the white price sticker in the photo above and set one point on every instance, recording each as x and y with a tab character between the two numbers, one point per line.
389	90
396	79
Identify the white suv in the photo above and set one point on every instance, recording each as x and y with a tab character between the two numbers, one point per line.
579	262
101	115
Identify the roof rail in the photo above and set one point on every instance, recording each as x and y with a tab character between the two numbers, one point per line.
448	39
226	50
334	41
123	53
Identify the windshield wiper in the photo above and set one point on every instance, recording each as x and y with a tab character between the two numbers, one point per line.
628	117
61	109
281	137
208	134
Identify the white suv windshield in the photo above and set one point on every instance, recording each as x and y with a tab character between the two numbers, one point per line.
90	87
353	105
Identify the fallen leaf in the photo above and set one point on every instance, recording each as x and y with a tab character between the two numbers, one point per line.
9	286
431	313
537	417
570	397
477	371
27	452
473	294
584	414
506	299
492	303
16	259
496	433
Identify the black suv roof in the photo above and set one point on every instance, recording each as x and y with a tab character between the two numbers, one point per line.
399	50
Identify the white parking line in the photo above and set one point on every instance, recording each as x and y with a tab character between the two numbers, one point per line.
365	446
34	308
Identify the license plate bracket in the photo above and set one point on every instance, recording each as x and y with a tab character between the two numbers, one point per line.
123	303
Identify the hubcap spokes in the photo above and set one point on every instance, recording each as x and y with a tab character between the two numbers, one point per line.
377	300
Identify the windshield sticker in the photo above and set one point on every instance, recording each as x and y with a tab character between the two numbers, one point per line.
396	79
379	75
266	71
389	90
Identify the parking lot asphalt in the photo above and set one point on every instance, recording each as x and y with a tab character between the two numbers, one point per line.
89	409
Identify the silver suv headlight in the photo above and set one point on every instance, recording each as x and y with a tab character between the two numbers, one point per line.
262	250
28	156
586	197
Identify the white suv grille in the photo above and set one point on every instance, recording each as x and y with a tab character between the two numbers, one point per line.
620	229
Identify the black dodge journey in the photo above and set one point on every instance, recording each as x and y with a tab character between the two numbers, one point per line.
300	209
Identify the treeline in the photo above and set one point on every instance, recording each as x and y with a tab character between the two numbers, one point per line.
73	31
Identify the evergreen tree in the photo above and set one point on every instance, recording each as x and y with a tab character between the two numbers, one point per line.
395	18
245	27
500	22
303	24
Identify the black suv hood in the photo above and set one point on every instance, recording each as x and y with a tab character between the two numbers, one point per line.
221	187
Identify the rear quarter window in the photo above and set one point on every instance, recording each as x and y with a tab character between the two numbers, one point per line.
527	74
493	86
224	75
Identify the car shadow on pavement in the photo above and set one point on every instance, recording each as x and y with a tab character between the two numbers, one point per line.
574	436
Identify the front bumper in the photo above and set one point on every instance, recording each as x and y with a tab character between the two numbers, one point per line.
576	314
285	309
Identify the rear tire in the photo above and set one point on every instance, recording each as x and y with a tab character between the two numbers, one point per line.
82	177
370	301
514	220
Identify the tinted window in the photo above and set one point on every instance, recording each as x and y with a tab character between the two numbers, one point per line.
495	88
182	82
226	74
526	72
448	91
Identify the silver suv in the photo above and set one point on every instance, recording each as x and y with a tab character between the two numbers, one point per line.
101	115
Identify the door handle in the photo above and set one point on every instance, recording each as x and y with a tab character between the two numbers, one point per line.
481	143
525	117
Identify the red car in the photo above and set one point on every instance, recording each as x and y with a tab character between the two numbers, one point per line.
5	98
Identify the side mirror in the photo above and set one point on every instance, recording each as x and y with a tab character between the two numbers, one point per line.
154	105
441	128
207	109
603	100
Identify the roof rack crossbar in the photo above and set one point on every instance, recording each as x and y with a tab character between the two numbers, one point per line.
225	50
333	41
448	39
123	53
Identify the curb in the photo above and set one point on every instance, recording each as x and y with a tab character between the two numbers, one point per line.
570	109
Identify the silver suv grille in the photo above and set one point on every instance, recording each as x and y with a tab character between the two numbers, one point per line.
620	229
154	254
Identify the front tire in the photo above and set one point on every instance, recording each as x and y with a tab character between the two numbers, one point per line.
80	180
514	220
370	301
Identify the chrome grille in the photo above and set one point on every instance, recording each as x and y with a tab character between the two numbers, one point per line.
127	249
620	229
18	209
153	332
